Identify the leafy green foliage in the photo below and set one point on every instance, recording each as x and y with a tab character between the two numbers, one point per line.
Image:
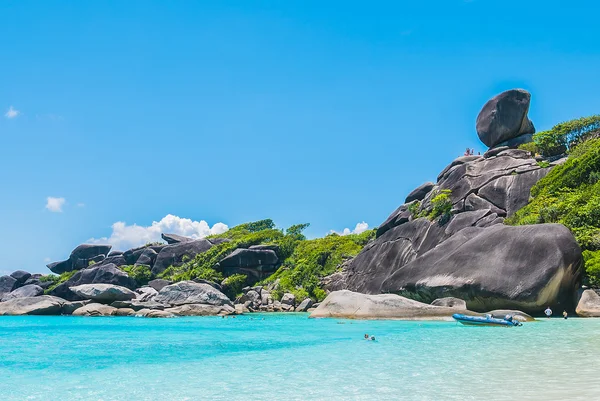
312	260
140	273
441	206
58	279
570	195
592	267
566	135
304	262
204	264
530	147
232	285
542	164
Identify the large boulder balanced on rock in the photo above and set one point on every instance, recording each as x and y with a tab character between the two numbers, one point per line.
189	292
80	258
503	119
353	305
104	293
173	255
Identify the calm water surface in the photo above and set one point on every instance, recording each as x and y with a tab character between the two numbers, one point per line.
290	357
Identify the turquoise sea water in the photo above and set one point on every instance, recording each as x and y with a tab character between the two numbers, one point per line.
290	357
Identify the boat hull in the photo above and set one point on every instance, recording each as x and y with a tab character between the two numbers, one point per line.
482	321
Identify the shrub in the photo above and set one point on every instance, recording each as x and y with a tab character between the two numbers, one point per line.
301	273
59	279
140	273
233	285
530	147
566	135
569	194
592	267
441	206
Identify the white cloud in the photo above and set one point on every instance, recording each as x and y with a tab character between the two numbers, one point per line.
81	204
12	113
125	236
55	204
47	260
359	228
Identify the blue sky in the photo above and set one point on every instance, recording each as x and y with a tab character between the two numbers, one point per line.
232	111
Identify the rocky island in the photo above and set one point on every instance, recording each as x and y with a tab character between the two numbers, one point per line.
517	228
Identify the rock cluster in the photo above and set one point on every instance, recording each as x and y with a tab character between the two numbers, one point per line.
469	253
259	299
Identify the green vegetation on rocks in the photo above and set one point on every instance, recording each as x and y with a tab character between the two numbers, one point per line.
570	195
140	273
301	273
303	262
564	137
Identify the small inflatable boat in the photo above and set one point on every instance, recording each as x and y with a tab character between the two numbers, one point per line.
486	320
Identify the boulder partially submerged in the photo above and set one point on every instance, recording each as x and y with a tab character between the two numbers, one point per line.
353	305
42	305
589	304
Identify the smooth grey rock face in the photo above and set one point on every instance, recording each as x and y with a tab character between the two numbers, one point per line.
70	307
172	255
105	293
94	309
103	274
117	260
153	313
131	256
588	304
201	310
80	258
504	117
175	239
304	305
30	290
158	284
253	297
147	257
189	292
354	305
483	265
21	276
248	258
288	299
42	305
420	192
138	305
7	285
145	294
450	302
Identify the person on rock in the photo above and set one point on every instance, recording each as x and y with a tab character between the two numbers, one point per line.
548	312
565	314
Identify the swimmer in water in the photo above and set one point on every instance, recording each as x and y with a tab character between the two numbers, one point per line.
372	338
366	336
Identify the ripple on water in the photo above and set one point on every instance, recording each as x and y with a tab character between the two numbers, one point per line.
290	357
